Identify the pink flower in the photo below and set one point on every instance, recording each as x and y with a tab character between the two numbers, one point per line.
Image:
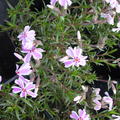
27	36
24	89
74	58
63	3
107	100
0	81
35	52
25	69
80	116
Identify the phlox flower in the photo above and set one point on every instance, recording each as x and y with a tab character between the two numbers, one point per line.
74	57
116	117
35	52
118	28
27	36
108	17
63	3
0	82
82	115
24	88
25	69
107	100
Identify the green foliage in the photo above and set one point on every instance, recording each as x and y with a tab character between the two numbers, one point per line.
59	85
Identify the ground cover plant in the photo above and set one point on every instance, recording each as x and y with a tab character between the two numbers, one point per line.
58	51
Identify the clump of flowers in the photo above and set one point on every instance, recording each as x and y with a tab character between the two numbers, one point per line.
111	13
29	47
97	102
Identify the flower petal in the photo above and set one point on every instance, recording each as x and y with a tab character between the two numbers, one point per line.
70	52
16	89
74	115
32	94
30	86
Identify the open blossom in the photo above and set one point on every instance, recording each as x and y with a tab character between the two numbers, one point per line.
82	115
118	28
63	3
24	89
25	69
35	52
0	82
108	17
27	36
107	100
74	58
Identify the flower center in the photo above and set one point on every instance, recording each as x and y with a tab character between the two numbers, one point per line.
24	34
23	89
17	72
76	59
32	50
80	118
